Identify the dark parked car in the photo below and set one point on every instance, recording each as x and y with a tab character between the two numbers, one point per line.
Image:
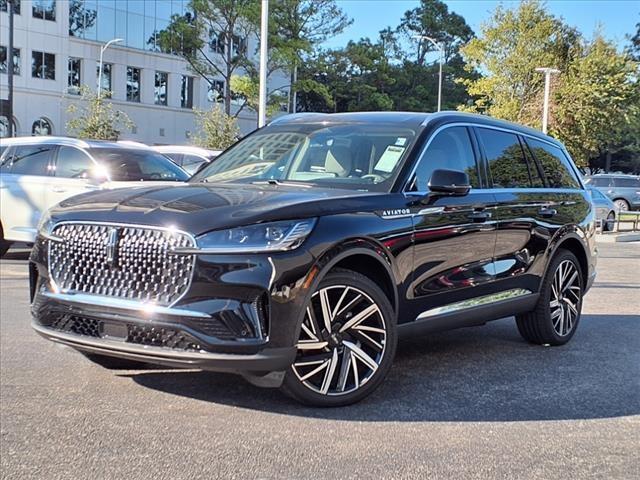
623	190
303	252
605	209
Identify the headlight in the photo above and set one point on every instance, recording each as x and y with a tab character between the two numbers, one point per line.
266	237
45	224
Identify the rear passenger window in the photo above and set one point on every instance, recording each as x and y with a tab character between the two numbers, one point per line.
554	165
32	160
599	182
507	163
451	149
626	182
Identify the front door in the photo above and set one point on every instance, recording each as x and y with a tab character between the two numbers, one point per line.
454	236
73	171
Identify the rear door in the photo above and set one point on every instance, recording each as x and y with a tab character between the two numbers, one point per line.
454	236
72	173
25	179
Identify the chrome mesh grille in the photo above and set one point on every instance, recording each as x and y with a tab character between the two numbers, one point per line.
137	267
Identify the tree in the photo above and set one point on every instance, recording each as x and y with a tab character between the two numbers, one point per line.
214	40
94	117
509	49
634	48
597	102
216	129
297	27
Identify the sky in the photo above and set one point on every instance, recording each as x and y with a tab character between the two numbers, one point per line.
617	18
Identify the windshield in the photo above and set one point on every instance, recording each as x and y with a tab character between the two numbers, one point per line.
363	157
134	164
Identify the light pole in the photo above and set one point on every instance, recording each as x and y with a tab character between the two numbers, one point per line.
547	86
440	48
264	32
102	49
10	10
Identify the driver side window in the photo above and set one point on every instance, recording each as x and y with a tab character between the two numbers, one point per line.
450	149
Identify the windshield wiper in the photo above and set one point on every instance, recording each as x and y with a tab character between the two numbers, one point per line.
273	181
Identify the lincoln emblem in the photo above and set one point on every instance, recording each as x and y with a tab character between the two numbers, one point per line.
112	247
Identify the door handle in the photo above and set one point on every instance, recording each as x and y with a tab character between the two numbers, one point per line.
479	216
58	189
547	212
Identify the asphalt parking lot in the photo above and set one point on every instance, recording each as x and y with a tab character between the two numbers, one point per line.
472	403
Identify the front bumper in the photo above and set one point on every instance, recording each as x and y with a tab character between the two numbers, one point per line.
267	360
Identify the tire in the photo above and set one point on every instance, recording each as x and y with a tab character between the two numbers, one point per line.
353	359
609	224
556	317
114	363
4	245
623	205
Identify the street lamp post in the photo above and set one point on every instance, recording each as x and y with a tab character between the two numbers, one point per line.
440	48
10	11
547	86
102	49
264	32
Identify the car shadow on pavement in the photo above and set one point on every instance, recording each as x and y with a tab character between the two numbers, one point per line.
473	374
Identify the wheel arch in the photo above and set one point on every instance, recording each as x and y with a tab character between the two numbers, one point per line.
575	245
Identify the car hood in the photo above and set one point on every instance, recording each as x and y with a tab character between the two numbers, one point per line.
198	208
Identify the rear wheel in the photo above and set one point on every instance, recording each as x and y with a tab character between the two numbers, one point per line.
4	245
622	204
610	222
347	342
557	313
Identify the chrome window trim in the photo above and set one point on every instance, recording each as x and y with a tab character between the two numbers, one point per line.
471	125
474	302
123	225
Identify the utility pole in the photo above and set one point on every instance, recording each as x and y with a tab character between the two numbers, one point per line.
10	70
264	33
440	48
102	49
547	87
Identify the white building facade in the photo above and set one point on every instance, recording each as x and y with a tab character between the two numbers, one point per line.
57	48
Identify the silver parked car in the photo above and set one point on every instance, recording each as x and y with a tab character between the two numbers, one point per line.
606	210
189	158
624	190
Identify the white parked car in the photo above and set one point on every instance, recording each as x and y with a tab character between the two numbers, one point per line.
39	172
189	158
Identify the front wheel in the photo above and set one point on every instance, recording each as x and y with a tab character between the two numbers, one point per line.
610	223
622	204
347	342
557	313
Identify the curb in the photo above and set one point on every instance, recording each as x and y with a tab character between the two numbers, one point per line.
620	237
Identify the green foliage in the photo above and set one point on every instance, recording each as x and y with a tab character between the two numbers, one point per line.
509	49
93	117
216	129
597	102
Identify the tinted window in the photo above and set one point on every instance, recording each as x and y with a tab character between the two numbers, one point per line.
597	195
599	181
73	163
32	160
176	157
505	156
451	150
628	182
554	165
125	164
5	163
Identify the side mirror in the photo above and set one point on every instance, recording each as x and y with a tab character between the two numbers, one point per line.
449	182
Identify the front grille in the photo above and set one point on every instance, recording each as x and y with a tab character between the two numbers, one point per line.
161	337
126	262
89	327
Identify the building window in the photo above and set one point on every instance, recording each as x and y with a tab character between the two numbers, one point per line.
160	91
73	82
4	127
42	126
105	84
216	42
44	9
43	65
239	45
186	92
133	84
216	91
4	6
4	61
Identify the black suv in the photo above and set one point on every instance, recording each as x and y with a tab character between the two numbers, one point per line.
304	251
